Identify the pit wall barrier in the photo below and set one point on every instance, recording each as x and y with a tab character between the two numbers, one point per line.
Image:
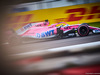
70	14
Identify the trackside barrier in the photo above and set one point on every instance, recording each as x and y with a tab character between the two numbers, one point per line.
73	48
86	70
28	61
62	62
70	14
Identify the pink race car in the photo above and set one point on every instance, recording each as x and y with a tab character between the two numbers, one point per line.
42	30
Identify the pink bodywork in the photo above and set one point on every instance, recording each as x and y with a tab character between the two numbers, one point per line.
42	29
37	30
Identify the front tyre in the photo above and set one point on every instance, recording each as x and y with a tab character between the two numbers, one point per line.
83	30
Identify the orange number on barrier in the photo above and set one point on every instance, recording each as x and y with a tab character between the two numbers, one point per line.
72	17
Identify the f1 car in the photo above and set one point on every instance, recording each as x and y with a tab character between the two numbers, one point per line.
42	30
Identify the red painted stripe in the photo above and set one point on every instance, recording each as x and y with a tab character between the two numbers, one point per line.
28	61
82	70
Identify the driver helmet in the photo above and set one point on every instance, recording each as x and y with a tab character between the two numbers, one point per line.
61	25
66	25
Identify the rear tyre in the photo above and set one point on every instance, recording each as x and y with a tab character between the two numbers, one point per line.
85	24
83	30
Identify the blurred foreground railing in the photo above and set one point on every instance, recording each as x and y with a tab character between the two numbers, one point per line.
42	61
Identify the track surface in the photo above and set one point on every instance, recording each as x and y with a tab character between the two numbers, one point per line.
31	46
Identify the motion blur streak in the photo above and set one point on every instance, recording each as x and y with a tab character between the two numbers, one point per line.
80	62
73	48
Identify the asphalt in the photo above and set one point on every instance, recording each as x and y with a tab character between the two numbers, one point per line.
48	44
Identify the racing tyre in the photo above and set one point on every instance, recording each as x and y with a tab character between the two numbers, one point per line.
83	30
90	30
85	24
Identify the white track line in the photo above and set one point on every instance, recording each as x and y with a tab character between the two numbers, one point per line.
73	48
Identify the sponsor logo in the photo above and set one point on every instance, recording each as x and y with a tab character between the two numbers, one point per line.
45	34
96	31
81	13
27	26
71	14
37	35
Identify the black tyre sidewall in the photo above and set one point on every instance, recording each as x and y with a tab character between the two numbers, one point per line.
86	28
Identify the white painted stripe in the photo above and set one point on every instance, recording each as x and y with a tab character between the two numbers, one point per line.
6	43
73	48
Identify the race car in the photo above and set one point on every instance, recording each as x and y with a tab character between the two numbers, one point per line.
42	30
